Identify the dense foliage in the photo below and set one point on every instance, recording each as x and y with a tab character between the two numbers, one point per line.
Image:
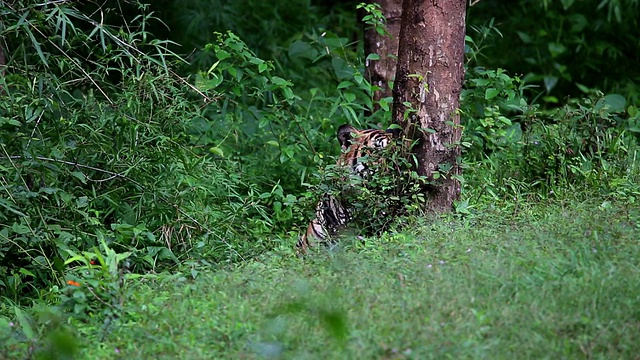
565	48
99	143
122	154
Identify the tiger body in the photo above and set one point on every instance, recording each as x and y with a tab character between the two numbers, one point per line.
331	214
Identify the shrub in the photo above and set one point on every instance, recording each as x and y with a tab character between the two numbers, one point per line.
95	144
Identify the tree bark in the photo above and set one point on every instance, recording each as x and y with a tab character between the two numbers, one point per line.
381	72
429	77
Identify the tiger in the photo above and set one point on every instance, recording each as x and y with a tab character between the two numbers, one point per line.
330	213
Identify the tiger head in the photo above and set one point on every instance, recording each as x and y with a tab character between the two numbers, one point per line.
356	144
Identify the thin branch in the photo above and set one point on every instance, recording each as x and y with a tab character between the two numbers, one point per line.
3	63
20	157
53	2
35	127
74	62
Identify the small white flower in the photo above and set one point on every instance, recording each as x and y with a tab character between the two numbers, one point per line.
469	250
441	262
429	266
11	324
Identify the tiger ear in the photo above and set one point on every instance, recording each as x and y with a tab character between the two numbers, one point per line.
395	131
344	135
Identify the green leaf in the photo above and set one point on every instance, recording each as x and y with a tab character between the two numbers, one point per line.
26	272
556	49
490	93
280	81
9	206
524	37
345	84
221	55
24	324
213	67
350	114
341	68
232	71
6	120
82	202
216	150
583	88
513	133
373	56
5	328
566	4
122	256
504	120
20	229
256	61
36	46
302	49
384	104
212	83
75	257
480	82
632	110
616	102
80	176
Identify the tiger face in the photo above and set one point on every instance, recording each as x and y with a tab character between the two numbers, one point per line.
356	144
330	214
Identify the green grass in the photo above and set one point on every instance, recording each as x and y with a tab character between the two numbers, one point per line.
552	281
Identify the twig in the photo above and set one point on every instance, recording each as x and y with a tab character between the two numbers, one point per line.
53	2
74	62
20	157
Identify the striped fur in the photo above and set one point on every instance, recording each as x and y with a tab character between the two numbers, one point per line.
330	213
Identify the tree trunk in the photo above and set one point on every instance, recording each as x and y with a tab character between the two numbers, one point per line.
382	72
429	77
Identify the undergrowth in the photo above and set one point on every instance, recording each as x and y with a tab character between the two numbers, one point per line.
550	279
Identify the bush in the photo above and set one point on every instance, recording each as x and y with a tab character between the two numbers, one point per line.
95	145
587	145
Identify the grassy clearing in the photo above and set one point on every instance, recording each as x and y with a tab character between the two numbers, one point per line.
553	281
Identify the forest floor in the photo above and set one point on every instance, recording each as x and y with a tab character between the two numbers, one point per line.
554	280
